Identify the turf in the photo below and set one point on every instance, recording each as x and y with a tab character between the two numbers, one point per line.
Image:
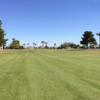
50	75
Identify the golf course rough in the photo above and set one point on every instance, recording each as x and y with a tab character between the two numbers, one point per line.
50	75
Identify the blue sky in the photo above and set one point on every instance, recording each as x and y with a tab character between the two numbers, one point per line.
53	21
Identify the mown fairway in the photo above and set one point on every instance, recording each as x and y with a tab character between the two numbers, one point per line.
50	75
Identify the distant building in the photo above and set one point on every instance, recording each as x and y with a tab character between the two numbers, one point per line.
1	48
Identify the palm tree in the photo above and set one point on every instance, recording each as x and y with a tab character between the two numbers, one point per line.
46	43
24	45
55	45
42	43
27	44
33	45
99	37
13	39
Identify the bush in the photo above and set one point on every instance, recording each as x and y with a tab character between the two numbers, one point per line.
50	47
75	47
46	47
20	47
59	48
83	47
7	47
39	47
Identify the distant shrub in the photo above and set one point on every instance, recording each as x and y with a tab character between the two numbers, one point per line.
50	47
39	47
53	47
7	47
46	47
21	47
75	47
82	47
59	48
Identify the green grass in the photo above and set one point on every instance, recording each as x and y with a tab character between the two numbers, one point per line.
50	75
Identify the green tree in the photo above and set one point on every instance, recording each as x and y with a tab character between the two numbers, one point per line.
42	43
33	45
15	44
99	37
78	45
55	45
66	45
4	42
62	46
46	43
72	45
88	38
21	47
46	47
2	34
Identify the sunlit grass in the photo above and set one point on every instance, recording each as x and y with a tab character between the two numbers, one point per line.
50	75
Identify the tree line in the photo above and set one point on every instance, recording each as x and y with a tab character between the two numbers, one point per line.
88	40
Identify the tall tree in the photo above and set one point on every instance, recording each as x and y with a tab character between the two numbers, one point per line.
13	39
4	42
33	45
88	38
66	45
55	45
28	44
46	43
78	45
2	34
99	37
24	45
72	45
62	46
15	44
42	43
